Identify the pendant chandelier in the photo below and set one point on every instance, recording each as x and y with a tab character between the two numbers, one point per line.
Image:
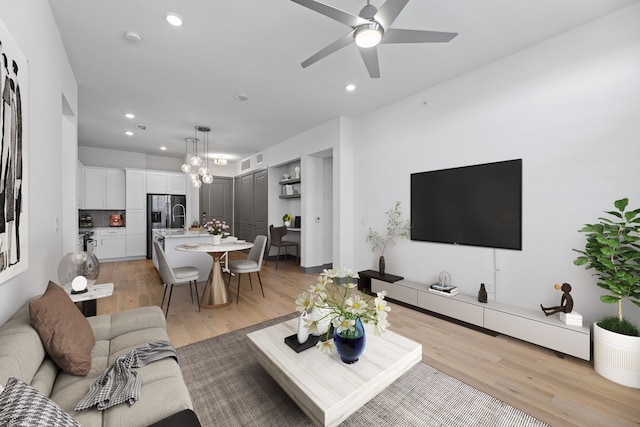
197	168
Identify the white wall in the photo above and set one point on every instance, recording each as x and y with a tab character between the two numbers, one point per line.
569	107
33	28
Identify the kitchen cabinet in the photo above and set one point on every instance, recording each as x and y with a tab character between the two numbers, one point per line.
166	183
104	188
111	243
136	214
136	241
136	189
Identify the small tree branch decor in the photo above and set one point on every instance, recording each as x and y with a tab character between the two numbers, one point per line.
613	251
396	228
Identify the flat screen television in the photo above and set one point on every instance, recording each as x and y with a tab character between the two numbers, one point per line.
479	205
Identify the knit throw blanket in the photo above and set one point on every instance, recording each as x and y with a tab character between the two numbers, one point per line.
119	384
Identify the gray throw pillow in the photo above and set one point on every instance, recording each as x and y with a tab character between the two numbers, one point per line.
23	406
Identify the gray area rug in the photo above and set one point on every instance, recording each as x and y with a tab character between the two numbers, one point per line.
230	388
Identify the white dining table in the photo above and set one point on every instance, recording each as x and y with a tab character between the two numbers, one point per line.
216	292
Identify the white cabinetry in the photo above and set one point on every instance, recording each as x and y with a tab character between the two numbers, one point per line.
104	188
80	185
166	183
111	243
528	325
136	201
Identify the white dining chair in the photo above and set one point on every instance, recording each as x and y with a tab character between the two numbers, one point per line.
252	264
175	276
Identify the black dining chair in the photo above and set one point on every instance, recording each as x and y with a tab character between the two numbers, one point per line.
276	234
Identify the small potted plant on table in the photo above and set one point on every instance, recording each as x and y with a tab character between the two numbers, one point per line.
613	251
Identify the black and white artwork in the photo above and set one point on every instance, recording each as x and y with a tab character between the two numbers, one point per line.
13	143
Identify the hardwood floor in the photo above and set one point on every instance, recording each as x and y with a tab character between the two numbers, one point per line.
561	392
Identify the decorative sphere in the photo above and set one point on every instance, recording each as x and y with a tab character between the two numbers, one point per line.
196	183
195	161
207	179
186	168
75	264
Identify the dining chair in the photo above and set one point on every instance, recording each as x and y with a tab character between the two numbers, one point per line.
175	276
252	264
277	233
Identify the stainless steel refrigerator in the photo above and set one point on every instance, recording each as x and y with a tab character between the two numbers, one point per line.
164	211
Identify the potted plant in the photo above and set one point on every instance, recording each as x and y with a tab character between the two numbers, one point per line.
396	228
613	251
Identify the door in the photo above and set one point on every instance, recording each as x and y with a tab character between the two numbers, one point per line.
216	199
246	207
260	204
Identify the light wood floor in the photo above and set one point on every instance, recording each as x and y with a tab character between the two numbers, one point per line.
561	392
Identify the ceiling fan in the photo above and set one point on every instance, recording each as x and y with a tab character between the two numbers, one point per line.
370	28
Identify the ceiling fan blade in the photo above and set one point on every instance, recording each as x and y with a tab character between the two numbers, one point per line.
336	45
416	36
389	11
370	58
333	13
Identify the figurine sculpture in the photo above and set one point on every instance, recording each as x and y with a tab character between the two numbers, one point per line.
566	302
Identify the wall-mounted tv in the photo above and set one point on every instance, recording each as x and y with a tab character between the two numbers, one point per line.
479	205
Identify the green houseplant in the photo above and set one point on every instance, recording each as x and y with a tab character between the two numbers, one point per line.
396	228
612	249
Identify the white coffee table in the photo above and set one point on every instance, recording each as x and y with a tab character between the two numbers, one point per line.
324	387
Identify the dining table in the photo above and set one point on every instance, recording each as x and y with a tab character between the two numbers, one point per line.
216	292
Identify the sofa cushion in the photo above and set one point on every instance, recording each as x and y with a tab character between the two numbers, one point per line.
64	331
23	405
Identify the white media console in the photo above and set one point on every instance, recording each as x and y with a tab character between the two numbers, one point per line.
527	325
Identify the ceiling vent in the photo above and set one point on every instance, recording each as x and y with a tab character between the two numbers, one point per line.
246	164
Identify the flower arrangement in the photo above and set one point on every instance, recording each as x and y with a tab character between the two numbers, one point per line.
331	297
287	217
215	227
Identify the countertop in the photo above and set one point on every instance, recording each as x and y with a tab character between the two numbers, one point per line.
180	233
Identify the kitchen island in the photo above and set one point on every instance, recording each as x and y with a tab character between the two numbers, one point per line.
175	237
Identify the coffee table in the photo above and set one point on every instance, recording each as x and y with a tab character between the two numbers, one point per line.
324	387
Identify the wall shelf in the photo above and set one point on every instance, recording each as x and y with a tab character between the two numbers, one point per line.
290	196
289	181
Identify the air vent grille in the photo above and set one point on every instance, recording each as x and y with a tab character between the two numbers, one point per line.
259	159
246	164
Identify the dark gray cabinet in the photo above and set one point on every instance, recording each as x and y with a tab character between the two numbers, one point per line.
216	200
251	205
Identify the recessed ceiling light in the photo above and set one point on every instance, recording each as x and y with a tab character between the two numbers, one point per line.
175	20
130	116
163	148
129	133
350	87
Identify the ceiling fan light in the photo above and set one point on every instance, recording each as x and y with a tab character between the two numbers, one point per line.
368	35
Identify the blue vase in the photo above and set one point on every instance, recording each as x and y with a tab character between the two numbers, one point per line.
350	348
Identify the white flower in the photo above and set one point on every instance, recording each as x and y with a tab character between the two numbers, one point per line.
381	325
381	306
326	346
342	324
311	325
381	294
304	301
355	305
319	289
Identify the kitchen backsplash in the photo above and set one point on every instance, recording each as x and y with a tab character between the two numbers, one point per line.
98	218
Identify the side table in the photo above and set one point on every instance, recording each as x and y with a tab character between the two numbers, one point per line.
88	299
364	283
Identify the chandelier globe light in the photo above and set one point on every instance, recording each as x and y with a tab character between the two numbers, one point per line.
186	167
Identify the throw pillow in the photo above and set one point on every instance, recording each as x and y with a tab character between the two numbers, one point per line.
22	405
65	333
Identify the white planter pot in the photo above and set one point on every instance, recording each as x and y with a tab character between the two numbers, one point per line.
216	239
616	357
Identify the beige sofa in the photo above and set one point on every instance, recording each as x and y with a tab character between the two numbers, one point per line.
163	391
